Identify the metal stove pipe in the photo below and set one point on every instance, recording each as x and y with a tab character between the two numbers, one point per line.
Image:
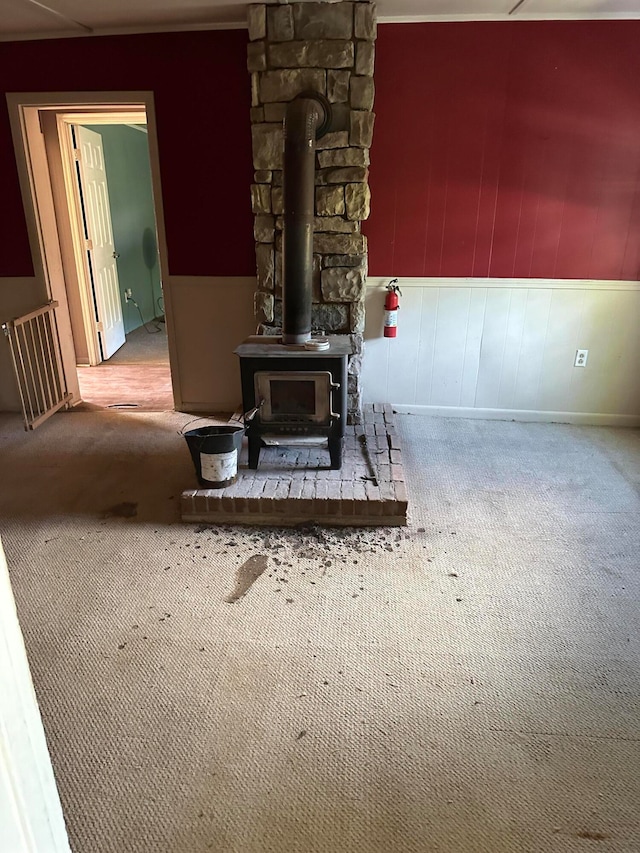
306	119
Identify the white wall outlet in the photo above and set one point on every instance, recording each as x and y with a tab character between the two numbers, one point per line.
128	294
581	358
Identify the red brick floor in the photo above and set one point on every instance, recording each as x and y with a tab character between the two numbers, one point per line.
293	485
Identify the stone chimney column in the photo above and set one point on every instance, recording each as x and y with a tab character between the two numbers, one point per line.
327	48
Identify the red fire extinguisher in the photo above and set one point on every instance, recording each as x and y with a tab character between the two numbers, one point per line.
391	309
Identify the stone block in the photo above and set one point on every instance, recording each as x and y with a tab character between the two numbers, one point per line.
364	23
343	157
277	201
330	318
338	86
278	270
277	178
286	83
357	317
260	198
323	20
265	266
335	224
255	89
280	23
341	175
338	139
340	117
365	58
263	176
268	143
257	21
263	228
357	342
346	261
263	307
275	112
330	201
340	244
256	56
271	331
361	128
354	401
312	54
342	284
354	366
362	93
256	115
316	292
358	201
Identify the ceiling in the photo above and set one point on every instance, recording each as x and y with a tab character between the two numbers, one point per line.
29	19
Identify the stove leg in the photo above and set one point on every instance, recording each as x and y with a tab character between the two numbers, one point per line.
335	451
255	444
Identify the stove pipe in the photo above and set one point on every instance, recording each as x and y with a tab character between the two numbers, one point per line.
306	119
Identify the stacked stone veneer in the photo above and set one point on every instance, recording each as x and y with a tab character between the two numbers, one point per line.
326	48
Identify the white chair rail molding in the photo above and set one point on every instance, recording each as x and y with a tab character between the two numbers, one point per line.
508	349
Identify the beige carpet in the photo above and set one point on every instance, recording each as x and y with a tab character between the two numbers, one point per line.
469	684
144	345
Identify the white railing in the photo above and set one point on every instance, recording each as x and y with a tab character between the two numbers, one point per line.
37	363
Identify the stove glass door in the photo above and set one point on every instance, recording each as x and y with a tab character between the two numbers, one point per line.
294	396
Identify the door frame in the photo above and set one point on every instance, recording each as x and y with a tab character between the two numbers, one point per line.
52	244
68	201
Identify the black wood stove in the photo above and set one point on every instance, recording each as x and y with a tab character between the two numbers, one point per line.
299	395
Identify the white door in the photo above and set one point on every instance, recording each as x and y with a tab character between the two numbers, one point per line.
102	252
31	818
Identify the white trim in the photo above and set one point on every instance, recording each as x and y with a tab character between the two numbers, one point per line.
481	18
141	29
124	31
30	810
73	207
579	418
509	283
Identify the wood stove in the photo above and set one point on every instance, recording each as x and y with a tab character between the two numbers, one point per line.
299	395
296	386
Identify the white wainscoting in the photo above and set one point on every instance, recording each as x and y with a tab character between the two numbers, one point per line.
210	316
18	296
505	349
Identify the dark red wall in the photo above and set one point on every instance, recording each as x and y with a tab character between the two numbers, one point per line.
500	149
506	150
202	97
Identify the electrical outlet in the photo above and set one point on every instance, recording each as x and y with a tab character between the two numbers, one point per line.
581	358
128	294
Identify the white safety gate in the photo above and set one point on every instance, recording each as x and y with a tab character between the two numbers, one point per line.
37	363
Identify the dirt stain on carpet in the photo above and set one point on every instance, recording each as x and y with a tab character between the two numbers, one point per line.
126	509
247	575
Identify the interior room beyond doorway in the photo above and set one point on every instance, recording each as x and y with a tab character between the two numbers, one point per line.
130	369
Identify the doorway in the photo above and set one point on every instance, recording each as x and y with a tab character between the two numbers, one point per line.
94	182
115	192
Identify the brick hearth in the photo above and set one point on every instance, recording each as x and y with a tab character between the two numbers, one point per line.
293	485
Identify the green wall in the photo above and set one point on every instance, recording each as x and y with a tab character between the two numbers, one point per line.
126	157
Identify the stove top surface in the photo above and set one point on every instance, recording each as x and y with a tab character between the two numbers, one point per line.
258	346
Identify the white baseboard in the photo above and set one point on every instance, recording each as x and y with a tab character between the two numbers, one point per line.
578	418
